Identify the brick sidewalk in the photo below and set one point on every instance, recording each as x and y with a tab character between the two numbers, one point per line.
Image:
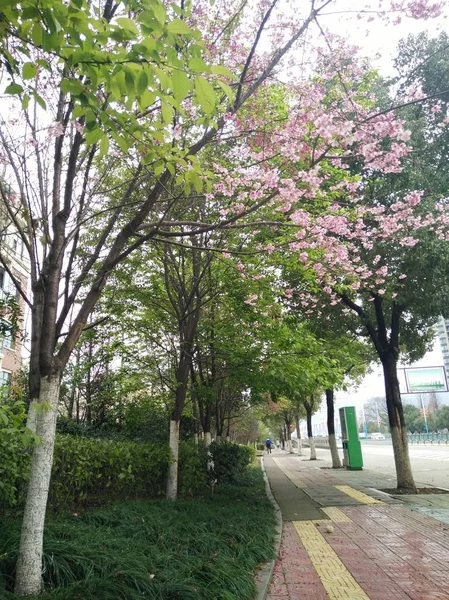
364	550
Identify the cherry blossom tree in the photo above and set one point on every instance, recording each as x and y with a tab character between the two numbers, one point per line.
379	249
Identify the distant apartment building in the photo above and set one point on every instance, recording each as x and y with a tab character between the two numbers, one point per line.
13	253
443	334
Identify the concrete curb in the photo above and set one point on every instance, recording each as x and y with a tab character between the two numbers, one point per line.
265	573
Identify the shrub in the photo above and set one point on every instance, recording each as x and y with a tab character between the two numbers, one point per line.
219	463
94	471
14	457
193	476
229	460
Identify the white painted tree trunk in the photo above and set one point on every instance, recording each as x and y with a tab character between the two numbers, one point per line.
299	446
195	439
312	449
289	447
336	462
29	561
172	479
402	460
207	438
32	415
228	438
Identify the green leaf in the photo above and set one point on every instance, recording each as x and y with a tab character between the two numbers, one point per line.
141	82
71	86
78	111
226	88
163	78
196	180
93	136
36	34
104	145
147	99
25	102
29	70
127	24
167	113
205	94
179	27
159	167
121	142
198	65
40	100
43	63
115	88
14	88
221	70
129	81
181	85
159	12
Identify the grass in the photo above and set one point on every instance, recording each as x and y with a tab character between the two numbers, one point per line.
187	550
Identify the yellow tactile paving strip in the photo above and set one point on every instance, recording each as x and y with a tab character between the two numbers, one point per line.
335	514
357	495
335	577
290	474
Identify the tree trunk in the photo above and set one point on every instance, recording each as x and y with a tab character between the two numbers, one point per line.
336	462
194	406
298	434
29	562
288	431
172	479
309	432
207	438
312	448
182	378
398	430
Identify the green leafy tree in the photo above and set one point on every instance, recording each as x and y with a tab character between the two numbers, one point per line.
442	418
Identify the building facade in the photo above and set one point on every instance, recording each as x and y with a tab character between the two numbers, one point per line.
443	334
13	254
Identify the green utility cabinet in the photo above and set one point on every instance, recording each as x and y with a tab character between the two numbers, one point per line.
352	449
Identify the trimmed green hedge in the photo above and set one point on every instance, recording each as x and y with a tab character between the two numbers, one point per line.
94	471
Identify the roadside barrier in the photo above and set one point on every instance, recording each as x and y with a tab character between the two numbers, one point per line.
428	438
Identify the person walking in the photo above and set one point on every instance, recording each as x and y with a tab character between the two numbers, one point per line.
268	445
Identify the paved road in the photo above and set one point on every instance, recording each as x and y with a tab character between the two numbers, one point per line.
430	464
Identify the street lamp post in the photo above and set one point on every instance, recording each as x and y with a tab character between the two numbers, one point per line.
424	415
365	426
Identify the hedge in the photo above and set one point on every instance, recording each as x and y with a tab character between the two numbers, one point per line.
90	471
93	471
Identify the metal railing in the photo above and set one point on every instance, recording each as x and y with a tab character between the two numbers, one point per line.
428	438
